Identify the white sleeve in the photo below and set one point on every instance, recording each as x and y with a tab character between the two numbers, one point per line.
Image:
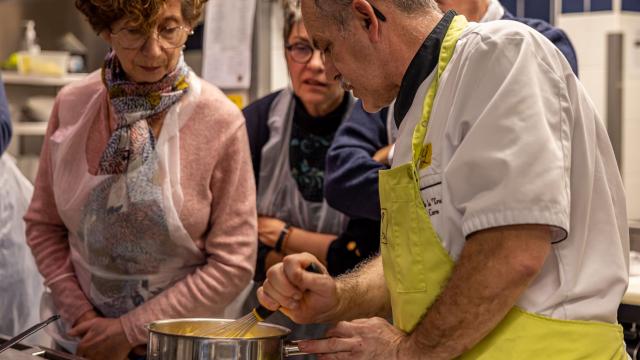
508	125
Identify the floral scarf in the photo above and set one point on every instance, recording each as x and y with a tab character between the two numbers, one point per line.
136	104
124	227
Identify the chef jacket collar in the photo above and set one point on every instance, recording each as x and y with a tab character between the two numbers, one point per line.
420	67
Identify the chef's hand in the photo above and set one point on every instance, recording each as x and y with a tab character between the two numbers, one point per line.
366	339
269	230
303	296
102	338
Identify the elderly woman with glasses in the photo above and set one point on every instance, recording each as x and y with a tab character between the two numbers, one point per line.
289	134
144	204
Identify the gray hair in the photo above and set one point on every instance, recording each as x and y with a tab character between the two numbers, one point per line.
292	16
335	9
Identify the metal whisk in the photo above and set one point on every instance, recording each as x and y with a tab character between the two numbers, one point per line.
239	328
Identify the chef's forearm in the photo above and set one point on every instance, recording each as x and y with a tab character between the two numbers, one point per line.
363	292
494	269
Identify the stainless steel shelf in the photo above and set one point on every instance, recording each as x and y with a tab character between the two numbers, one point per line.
25	352
14	78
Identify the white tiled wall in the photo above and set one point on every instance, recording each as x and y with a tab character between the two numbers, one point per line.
279	72
588	32
630	24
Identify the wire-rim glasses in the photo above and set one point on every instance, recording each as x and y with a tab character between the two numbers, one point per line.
169	37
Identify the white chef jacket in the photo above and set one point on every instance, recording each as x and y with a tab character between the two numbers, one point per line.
495	11
516	140
21	285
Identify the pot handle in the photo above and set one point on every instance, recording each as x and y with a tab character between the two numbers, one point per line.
291	349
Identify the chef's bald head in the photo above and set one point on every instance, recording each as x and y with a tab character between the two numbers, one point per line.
338	10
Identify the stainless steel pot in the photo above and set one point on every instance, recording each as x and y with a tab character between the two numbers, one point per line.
170	340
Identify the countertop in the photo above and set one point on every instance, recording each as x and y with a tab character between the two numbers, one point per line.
11	354
28	352
634	227
632	296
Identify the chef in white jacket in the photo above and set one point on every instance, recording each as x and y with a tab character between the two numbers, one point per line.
21	285
504	229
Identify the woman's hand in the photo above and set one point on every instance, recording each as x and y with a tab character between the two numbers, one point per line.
102	338
91	314
382	155
273	257
269	230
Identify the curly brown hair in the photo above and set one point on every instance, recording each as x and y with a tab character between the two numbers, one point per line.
102	13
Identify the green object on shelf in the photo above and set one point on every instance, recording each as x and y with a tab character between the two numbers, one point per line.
11	63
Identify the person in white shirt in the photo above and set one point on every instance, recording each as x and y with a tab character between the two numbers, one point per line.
504	229
20	283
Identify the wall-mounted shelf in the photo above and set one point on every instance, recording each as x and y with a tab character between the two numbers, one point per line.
14	78
28	135
29	128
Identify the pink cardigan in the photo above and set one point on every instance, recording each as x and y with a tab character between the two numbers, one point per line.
219	211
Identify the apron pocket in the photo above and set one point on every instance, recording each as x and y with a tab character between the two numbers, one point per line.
406	243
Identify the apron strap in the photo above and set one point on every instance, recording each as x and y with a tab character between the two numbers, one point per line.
421	153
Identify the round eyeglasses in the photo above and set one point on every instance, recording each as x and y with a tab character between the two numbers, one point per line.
169	37
302	53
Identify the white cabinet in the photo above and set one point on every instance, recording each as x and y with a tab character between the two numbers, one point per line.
28	135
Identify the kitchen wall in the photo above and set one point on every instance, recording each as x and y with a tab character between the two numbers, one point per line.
588	24
630	22
53	19
10	15
279	71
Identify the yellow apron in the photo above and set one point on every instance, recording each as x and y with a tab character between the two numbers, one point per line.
417	267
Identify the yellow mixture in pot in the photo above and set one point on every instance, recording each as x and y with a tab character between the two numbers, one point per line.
191	327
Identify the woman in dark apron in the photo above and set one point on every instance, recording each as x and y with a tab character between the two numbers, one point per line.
290	132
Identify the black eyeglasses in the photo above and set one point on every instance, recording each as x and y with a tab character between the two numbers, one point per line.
378	14
302	52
